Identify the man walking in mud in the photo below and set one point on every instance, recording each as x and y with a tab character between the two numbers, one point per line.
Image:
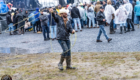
64	29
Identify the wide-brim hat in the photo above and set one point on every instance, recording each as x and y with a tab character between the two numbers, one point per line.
62	11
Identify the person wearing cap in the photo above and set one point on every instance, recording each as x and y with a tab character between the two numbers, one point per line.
101	21
64	29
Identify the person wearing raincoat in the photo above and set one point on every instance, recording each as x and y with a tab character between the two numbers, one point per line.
137	11
121	15
91	16
129	8
109	13
82	14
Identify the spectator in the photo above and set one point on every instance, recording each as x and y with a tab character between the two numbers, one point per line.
137	12
9	19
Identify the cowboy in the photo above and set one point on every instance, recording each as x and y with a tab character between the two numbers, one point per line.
64	29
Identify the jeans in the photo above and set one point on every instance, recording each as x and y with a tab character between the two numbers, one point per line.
77	20
114	25
53	31
93	22
34	27
82	23
138	19
44	29
122	24
72	23
66	46
11	27
85	22
102	30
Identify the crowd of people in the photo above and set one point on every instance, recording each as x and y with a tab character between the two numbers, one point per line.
60	21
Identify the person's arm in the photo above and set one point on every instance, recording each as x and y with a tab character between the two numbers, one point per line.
55	17
78	13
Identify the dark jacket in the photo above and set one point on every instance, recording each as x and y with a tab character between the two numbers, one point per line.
25	15
8	18
75	13
15	20
51	20
20	19
63	32
43	19
100	17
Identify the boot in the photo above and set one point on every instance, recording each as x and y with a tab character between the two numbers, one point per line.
60	64
121	30
22	31
19	31
68	62
124	29
10	33
138	25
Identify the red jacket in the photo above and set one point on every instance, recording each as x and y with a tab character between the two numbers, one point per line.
9	6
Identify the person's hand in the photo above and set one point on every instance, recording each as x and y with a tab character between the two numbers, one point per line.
73	31
51	10
103	19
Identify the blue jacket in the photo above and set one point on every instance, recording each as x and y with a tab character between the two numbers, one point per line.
51	20
37	14
137	8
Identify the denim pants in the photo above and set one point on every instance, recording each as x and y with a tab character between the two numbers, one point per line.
93	22
44	29
34	27
102	30
138	19
77	20
72	23
53	31
66	46
122	24
82	23
11	27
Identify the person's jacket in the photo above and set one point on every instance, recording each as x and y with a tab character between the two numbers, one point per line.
100	16
37	14
44	20
8	18
19	17
51	20
25	15
97	7
15	20
137	8
63	32
129	8
75	13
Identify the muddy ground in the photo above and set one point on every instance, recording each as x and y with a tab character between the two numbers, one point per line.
91	66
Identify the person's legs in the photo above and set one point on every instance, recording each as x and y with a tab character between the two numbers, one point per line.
89	23
10	28
52	28
132	24
99	34
128	25
82	24
37	26
104	32
55	31
43	29
75	23
121	25
34	28
47	29
79	24
93	22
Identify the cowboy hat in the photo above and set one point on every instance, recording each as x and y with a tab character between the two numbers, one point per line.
62	11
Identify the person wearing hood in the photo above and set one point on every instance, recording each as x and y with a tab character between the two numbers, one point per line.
9	19
137	12
44	20
121	15
15	23
128	6
21	23
96	10
37	21
75	14
82	14
109	13
91	16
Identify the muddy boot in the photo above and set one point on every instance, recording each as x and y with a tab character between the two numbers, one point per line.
60	64
121	30
124	29
68	62
19	31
